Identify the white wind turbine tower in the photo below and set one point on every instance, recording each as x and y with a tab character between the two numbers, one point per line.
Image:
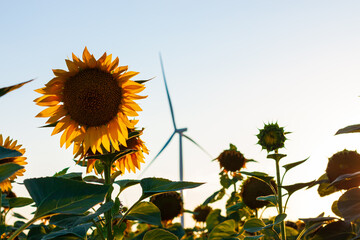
180	131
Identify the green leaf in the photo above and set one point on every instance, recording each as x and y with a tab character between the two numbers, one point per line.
19	202
349	204
253	237
62	172
335	209
294	164
74	176
157	234
254	225
78	231
234	208
9	153
93	179
59	195
276	156
152	186
126	183
17	215
349	129
297	186
213	219
334	231
8	169
215	197
225	229
324	188
145	212
177	230
225	181
269	198
5	90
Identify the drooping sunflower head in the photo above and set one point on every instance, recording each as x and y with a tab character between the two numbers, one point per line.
231	160
253	188
131	161
344	162
271	137
10	144
201	212
169	203
91	102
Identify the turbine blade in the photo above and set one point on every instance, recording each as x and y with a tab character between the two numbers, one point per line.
198	145
167	92
157	155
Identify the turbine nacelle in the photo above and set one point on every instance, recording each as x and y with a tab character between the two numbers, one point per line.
181	130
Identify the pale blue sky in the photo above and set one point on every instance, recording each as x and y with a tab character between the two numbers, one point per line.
230	66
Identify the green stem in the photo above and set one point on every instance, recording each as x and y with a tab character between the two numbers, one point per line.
282	224
99	229
108	217
22	228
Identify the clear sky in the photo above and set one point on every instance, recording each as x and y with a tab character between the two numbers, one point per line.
230	66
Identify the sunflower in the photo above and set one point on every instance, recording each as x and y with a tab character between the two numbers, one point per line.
130	161
344	162
170	205
253	188
10	144
231	160
201	212
91	102
272	137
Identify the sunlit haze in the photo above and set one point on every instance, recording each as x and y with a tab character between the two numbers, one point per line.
231	66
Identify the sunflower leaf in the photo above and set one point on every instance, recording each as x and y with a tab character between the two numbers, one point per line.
78	231
8	169
19	202
324	189
125	183
5	90
153	186
294	164
263	176
8	153
157	234
58	195
349	205
215	196
145	212
223	230
297	186
349	129
345	178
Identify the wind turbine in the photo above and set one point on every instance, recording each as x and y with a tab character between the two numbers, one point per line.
179	131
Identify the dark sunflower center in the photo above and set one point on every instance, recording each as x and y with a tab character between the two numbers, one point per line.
92	97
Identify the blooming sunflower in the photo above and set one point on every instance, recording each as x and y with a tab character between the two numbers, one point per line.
130	161
170	205
91	102
10	144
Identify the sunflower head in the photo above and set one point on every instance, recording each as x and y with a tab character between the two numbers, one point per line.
201	212
90	103
170	205
344	162
231	160
10	144
271	137
253	188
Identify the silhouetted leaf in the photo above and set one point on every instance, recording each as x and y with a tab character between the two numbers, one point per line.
254	225
5	90
297	186
8	169
176	229
234	208
78	231
8	153
263	176
349	129
276	156
213	219
292	165
269	198
62	172
153	186
145	212
223	230
335	209
349	204
157	234
324	188
17	215
345	178
59	195
335	231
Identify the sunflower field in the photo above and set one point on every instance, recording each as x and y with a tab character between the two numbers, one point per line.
93	105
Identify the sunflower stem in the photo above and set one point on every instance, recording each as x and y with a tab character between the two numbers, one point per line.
108	216
282	224
22	228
